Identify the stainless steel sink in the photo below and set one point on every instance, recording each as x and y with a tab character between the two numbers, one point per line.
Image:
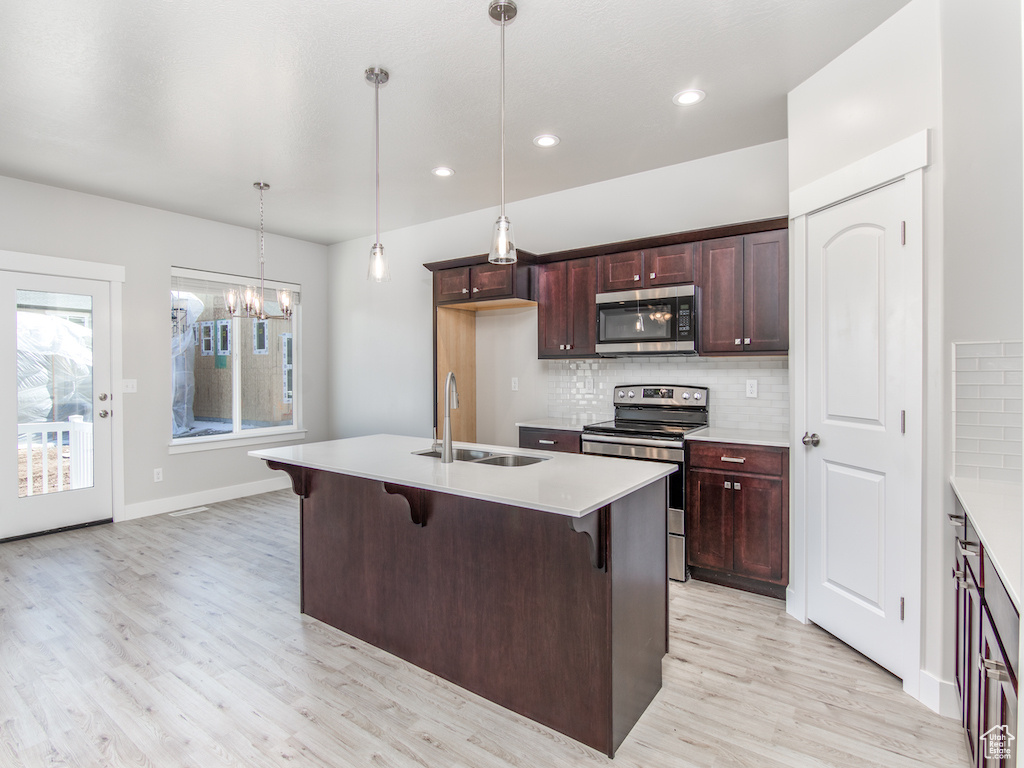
484	457
460	454
511	461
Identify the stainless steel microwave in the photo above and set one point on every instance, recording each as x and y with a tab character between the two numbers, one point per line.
653	321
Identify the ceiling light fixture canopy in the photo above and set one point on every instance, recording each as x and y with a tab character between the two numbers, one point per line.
503	248
378	270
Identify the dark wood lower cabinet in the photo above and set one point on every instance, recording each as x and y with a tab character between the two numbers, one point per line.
986	664
737	522
560	619
564	440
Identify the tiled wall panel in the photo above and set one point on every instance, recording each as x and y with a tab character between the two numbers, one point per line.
987	410
585	387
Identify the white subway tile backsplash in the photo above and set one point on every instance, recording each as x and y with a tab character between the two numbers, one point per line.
987	418
724	377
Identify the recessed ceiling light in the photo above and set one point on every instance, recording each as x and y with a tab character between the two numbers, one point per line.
546	140
685	98
442	171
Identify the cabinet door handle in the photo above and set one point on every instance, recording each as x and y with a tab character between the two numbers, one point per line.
653	275
967	547
739	341
465	290
547	442
994	670
732	460
636	278
735	486
476	290
728	485
746	341
956	520
568	346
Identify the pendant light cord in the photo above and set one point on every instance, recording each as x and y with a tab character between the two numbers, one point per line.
376	123
262	294
502	115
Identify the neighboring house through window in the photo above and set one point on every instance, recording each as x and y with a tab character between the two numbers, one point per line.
224	390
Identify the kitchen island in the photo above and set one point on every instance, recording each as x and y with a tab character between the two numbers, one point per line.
542	588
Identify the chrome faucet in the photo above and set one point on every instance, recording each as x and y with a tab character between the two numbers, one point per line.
451	400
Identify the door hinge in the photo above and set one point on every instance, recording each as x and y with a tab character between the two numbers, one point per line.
903	613
903	233
903	422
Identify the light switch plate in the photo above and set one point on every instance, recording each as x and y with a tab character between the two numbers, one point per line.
129	385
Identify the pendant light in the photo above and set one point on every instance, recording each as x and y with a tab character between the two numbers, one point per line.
503	248
253	301
378	270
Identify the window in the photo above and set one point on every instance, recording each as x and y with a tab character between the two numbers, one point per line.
221	390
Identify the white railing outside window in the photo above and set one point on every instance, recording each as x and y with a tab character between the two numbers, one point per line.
36	439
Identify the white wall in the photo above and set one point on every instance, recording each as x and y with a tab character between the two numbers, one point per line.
981	124
48	221
381	334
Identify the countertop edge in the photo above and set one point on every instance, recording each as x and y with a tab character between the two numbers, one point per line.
752	437
972	496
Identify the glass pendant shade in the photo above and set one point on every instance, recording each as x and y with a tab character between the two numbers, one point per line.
378	271
284	301
503	247
231	301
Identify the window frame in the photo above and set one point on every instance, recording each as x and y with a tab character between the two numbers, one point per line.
258	435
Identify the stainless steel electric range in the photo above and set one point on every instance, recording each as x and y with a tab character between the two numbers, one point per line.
650	423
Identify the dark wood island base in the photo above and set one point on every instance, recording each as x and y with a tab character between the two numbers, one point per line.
561	619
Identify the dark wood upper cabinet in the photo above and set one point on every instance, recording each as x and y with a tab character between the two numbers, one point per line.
648	268
481	281
451	284
567	309
744	294
621	271
766	292
669	265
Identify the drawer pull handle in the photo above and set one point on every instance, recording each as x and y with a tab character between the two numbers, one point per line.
728	485
547	442
959	577
967	547
732	460
957	520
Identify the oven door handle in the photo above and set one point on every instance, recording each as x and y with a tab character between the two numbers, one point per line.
594	438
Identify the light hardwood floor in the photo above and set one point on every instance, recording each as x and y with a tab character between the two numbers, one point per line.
177	641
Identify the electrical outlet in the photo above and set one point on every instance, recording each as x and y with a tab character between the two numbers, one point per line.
751	387
515	383
158	475
129	386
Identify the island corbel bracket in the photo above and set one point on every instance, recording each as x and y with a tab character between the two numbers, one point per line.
414	501
300	481
595	526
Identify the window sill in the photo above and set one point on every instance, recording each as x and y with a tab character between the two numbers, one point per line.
190	445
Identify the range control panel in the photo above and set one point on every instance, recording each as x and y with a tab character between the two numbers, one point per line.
676	395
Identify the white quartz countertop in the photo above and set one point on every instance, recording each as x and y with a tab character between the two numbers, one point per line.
778	438
995	510
568	423
565	483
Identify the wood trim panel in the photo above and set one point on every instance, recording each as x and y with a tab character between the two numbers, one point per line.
456	351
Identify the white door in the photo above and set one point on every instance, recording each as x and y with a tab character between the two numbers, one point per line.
856	475
55	403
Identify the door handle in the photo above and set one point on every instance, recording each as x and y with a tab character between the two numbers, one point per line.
809	439
104	414
102	396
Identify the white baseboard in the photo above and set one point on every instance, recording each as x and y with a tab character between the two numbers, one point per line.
212	496
939	695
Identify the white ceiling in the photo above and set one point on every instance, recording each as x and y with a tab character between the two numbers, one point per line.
182	104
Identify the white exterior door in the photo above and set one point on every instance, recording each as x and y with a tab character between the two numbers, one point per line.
55	403
857	487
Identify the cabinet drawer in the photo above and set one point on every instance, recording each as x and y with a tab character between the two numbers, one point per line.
732	457
564	440
1003	615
